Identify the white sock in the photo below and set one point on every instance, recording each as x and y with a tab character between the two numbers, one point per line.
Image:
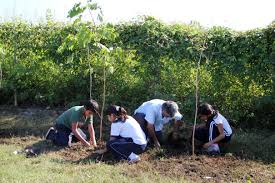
70	139
133	156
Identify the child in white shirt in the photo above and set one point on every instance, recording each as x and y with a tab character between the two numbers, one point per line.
127	140
215	130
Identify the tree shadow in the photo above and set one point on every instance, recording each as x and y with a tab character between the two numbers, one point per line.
38	148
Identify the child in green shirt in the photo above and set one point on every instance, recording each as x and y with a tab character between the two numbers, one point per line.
69	124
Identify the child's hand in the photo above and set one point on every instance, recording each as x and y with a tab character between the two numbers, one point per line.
157	145
95	146
206	145
87	144
93	143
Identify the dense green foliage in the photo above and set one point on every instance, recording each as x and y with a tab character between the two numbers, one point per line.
150	60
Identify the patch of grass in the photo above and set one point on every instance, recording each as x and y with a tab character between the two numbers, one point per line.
18	168
255	145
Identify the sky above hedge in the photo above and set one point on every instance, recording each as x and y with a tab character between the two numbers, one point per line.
236	14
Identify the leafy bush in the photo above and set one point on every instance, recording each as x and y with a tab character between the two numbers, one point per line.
152	60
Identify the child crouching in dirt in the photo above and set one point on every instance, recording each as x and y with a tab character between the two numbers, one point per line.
127	140
68	125
216	129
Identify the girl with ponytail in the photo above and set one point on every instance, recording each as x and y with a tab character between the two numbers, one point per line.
127	139
215	130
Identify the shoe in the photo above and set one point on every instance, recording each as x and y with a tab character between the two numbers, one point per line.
213	149
133	158
50	133
70	139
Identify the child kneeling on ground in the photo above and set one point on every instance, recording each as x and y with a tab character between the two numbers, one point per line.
127	140
216	129
68	125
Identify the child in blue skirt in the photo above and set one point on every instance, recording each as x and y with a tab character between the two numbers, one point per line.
215	130
127	139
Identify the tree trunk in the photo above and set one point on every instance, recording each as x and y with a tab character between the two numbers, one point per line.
15	97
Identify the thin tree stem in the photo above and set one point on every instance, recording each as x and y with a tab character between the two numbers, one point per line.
197	100
104	95
90	70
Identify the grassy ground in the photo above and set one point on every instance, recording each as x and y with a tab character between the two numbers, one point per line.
249	157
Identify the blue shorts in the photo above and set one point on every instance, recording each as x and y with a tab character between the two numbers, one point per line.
121	147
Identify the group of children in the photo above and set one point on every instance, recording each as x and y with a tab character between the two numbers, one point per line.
129	135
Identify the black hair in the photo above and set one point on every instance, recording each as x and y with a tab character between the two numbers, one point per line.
207	109
91	105
119	111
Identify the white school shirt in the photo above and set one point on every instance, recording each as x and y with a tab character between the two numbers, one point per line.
153	113
129	129
220	119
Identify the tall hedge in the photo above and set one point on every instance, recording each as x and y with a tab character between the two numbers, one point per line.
156	60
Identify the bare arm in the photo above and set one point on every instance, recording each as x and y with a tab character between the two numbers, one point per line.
77	135
152	134
218	138
92	135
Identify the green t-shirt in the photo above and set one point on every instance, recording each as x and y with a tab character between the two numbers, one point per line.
73	115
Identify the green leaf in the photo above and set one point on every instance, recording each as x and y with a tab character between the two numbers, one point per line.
100	18
76	10
111	69
78	20
93	6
